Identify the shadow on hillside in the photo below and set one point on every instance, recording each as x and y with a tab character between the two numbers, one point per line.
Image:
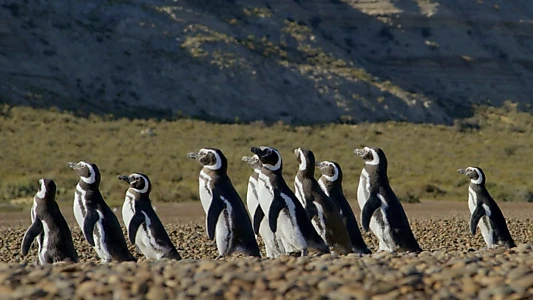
366	53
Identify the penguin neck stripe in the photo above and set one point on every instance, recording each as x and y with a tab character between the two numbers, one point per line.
42	192
303	163
277	165
145	188
335	175
92	178
218	163
479	179
375	158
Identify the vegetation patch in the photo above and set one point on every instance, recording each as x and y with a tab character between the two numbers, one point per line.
423	158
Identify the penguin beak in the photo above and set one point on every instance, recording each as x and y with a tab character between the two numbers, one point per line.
461	171
359	152
192	155
124	177
73	165
320	165
248	159
295	150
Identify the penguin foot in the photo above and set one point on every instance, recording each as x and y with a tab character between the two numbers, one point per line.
304	252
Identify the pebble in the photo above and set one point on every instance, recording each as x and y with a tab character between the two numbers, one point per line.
455	267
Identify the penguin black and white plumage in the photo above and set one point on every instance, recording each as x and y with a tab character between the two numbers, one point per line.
226	218
331	183
273	244
380	208
97	221
484	211
285	214
49	227
323	212
144	227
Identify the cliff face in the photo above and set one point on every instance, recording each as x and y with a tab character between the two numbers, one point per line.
291	60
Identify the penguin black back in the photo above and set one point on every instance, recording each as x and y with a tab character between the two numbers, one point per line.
323	212
138	213
51	226
273	168
485	212
376	195
223	205
331	184
94	216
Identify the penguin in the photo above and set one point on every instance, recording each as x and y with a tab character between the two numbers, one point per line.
380	208
49	227
145	230
323	212
285	214
97	222
484	211
273	244
226	218
331	183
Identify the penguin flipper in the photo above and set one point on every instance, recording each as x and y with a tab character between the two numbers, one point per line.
88	225
34	230
212	216
275	210
136	221
371	205
478	213
258	217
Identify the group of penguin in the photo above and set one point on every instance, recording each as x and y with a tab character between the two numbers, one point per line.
316	215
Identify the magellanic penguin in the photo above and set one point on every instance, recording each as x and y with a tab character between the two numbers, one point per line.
145	230
484	211
331	183
97	222
286	216
226	216
323	212
380	208
49	228
273	244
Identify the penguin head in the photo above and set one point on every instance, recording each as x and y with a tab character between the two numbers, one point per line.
269	157
373	157
210	158
87	171
138	182
47	190
476	174
330	170
306	160
253	161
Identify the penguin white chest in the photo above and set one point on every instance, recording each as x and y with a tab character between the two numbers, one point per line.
484	224
288	230
79	205
265	193
43	249
33	213
99	241
206	195
299	189
147	242
251	197
128	209
363	190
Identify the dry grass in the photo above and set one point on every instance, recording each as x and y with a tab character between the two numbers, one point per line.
422	158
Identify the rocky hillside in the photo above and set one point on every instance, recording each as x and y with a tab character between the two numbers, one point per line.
292	60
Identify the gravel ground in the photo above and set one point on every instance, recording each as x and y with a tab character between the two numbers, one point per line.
454	265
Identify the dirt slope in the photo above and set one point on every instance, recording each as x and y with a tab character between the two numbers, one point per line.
296	61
